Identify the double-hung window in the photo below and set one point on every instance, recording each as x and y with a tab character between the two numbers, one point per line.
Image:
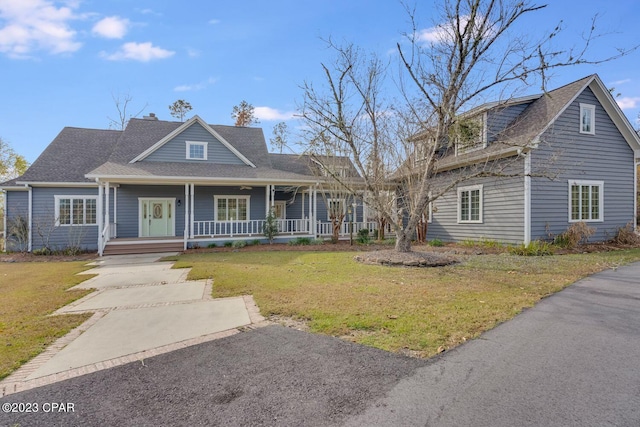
586	201
231	208
76	210
196	150
588	119
470	204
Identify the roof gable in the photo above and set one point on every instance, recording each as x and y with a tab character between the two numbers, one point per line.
183	127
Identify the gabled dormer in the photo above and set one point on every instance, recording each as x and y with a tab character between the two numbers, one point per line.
193	142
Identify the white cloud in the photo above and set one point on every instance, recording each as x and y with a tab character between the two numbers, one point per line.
32	25
628	102
143	52
111	27
443	33
272	114
214	21
197	86
619	82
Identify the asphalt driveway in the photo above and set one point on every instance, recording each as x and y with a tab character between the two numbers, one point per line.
573	360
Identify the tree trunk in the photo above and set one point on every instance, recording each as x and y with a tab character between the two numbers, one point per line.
403	241
382	223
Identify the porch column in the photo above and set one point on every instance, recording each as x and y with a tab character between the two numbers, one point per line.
267	192
186	214
315	210
192	208
107	217
272	201
115	211
309	211
100	215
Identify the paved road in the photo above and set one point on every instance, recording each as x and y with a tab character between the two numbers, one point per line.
573	360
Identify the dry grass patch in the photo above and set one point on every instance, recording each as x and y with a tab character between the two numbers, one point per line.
408	310
29	292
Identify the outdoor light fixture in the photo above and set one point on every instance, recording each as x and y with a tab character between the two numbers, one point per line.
179	202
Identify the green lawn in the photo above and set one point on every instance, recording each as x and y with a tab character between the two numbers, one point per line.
28	293
410	310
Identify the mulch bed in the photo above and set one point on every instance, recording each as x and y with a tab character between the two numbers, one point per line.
407	259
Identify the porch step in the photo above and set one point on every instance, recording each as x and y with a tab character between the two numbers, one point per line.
143	248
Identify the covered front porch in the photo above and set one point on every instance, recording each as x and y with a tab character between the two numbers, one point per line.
199	214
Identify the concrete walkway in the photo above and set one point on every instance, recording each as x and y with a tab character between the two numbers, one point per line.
141	308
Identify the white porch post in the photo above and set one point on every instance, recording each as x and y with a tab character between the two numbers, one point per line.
100	216
311	224
315	210
115	211
30	245
267	192
192	208
186	214
272	201
107	220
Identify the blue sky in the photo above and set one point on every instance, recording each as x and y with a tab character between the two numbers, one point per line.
61	61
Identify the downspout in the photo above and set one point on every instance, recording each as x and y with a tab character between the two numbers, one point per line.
30	246
635	193
4	218
527	198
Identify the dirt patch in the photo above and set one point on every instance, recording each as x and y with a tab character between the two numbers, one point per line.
407	259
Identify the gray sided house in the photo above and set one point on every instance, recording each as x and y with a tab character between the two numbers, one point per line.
162	185
565	156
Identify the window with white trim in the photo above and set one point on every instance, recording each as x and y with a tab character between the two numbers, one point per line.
76	210
231	208
470	204
588	119
196	150
586	201
470	134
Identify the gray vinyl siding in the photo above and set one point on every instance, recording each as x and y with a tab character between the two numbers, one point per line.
175	149
44	229
128	219
17	206
605	156
499	119
204	201
502	210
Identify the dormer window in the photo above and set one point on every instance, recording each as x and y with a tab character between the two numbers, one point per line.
469	134
196	150
588	119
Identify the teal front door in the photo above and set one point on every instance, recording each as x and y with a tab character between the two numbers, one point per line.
157	217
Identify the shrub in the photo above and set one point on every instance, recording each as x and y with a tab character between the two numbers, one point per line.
363	236
300	241
577	233
212	245
317	242
239	244
255	242
42	251
535	248
626	236
436	243
228	244
270	228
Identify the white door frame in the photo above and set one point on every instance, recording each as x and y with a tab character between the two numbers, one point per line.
172	213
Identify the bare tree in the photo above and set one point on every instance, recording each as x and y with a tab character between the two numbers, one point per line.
179	109
280	136
244	114
122	103
475	51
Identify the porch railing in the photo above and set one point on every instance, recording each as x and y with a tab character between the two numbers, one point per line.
285	227
247	228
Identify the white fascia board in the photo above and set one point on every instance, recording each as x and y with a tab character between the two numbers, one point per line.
14	188
57	184
180	129
164	180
